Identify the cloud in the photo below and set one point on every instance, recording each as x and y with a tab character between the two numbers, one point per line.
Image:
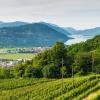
54	11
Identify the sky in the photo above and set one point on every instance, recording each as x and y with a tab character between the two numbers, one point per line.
79	14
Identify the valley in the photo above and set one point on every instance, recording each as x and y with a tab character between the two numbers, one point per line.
49	49
42	61
9	57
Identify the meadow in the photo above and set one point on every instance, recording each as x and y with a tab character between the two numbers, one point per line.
49	89
16	56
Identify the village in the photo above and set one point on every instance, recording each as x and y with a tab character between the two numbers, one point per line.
9	63
23	51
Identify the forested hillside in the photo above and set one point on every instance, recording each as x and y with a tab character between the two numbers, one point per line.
88	46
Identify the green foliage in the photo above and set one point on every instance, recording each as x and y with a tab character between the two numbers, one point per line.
20	70
89	45
6	73
50	61
92	44
28	72
48	89
50	71
84	61
64	71
97	69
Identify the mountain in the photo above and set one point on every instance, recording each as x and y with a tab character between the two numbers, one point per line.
12	24
30	35
81	35
70	30
90	32
57	28
87	32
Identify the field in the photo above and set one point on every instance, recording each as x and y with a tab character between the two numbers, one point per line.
16	56
3	50
49	89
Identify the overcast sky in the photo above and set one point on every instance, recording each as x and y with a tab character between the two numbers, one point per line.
79	14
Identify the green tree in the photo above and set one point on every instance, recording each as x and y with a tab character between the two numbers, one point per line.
20	70
28	72
50	71
83	61
6	73
64	71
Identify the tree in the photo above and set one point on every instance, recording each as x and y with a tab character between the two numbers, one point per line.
64	71
6	73
83	61
50	61
97	69
20	70
28	72
50	71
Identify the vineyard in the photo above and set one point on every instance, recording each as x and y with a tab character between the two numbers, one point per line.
75	88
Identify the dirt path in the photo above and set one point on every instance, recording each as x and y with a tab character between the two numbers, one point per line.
92	95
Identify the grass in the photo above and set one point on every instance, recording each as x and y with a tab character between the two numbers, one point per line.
16	56
48	89
3	50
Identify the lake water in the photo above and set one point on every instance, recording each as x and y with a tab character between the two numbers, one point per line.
77	39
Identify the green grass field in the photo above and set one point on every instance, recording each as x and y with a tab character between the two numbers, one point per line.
48	89
16	56
3	50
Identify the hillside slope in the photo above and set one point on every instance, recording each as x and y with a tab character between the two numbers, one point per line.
86	32
46	89
87	46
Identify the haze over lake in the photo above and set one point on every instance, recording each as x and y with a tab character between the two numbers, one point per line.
77	39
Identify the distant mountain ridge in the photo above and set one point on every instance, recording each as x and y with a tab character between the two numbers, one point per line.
65	30
70	30
93	31
57	28
12	24
86	32
24	34
81	35
30	35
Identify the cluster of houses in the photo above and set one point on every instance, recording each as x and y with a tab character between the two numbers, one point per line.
12	63
9	63
27	50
